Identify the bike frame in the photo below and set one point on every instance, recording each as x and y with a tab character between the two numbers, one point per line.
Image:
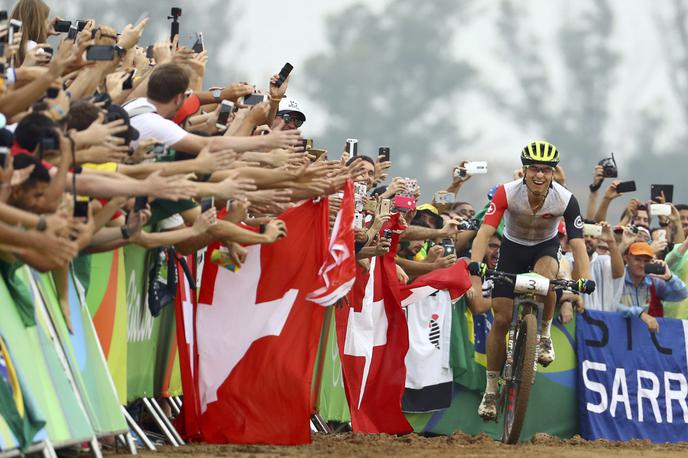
529	303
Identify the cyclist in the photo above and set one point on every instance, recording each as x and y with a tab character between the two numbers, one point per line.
532	208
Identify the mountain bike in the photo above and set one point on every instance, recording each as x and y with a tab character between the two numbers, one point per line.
520	367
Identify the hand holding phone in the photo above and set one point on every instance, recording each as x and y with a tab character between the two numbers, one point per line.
283	74
226	108
656	191
625	186
383	154
352	147
656	268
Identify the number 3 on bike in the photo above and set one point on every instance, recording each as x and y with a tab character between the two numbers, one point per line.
524	283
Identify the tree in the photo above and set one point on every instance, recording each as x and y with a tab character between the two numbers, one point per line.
577	126
390	79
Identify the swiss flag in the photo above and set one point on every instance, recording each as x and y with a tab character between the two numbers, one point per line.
338	273
373	341
455	279
258	333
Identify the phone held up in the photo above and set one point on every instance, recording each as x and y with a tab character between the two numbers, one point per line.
352	147
226	108
283	74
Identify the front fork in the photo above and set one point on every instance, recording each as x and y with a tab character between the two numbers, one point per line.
511	340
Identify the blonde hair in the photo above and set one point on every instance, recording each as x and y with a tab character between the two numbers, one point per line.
34	16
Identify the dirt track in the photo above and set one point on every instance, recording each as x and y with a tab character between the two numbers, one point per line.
359	445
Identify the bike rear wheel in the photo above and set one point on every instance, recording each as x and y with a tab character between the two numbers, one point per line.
517	390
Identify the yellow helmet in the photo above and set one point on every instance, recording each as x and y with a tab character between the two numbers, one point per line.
540	152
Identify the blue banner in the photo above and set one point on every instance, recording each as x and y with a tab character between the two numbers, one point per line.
631	383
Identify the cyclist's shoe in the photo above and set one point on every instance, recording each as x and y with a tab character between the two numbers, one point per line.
546	355
488	407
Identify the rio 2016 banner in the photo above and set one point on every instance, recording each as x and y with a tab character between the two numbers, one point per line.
632	384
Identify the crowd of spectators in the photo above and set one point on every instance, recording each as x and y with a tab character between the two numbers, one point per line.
108	141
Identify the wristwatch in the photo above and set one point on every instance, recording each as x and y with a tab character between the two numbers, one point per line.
120	51
217	95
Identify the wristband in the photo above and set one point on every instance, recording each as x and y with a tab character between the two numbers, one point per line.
594	188
276	99
42	225
125	232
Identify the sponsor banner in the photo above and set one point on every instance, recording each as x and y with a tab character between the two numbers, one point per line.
632	383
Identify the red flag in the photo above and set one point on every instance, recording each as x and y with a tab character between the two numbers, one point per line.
373	341
338	273
257	336
454	279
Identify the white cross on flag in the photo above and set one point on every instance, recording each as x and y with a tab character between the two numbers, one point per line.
373	340
257	331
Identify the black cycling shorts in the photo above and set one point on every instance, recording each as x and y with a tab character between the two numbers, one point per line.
515	258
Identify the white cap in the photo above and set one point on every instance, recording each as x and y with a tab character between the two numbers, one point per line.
287	104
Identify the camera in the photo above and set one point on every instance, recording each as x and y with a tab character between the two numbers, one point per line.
609	166
387	233
469	225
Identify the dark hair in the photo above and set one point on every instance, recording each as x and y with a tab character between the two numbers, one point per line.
365	158
166	82
39	174
680	207
81	115
31	129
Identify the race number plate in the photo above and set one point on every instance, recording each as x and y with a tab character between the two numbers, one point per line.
531	284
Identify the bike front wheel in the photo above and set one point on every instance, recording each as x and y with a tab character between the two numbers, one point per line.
517	390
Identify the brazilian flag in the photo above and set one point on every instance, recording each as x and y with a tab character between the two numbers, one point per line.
468	338
17	411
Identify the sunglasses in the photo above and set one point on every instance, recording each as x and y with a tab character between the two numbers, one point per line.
544	169
287	118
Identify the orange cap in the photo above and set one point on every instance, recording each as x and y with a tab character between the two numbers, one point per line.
641	249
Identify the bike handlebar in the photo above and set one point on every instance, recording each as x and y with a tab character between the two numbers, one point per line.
580	286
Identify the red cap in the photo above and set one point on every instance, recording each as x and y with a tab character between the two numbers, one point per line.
189	108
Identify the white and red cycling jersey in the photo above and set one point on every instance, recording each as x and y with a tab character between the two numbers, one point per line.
525	228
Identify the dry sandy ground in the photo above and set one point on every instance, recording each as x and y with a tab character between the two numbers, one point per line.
360	445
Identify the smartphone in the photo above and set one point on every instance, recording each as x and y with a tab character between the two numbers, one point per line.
444	197
149	52
226	108
661	234
62	26
626	186
283	74
308	144
448	245
207	203
593	230
660	209
654	268
129	82
198	46
370	206
140	203
13	28
385	206
317	152
253	99
352	147
383	154
52	92
71	35
657	189
358	221
404	203
360	189
100	52
81	207
476	168
80	24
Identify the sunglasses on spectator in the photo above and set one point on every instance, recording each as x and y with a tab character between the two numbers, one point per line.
287	118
